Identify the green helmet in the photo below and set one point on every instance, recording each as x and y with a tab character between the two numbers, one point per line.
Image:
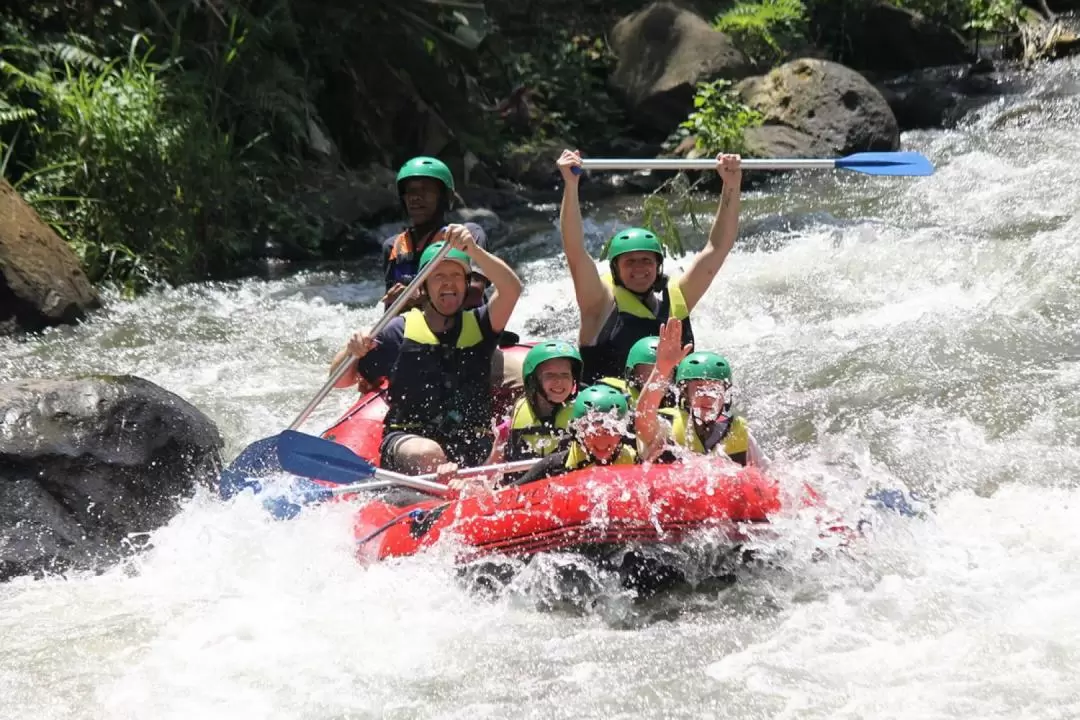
456	255
633	239
703	365
643	352
549	350
428	167
600	398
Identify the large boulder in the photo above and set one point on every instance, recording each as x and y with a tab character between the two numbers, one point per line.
881	36
41	283
87	463
825	108
663	51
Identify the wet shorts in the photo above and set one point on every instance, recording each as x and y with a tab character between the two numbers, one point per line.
469	453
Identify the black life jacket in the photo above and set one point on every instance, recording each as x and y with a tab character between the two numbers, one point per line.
442	391
630	321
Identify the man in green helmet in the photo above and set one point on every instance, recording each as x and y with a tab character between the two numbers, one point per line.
703	421
437	359
598	427
636	298
426	189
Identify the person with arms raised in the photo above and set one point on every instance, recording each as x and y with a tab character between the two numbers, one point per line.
635	298
437	359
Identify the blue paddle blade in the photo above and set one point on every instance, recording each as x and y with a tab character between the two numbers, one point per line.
258	459
887	163
314	457
896	500
300	493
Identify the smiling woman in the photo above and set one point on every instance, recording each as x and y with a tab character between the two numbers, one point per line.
636	298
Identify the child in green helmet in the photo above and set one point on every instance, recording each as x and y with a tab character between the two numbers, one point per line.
702	422
636	298
639	366
539	422
599	436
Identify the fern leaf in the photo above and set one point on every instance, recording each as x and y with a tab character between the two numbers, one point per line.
15	114
74	55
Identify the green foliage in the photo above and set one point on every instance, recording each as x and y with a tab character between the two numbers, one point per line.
566	77
119	170
769	30
765	30
719	118
180	161
985	15
658	218
124	165
992	15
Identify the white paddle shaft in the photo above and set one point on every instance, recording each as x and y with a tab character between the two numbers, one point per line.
702	164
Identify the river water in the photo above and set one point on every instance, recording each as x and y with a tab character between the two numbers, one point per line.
918	333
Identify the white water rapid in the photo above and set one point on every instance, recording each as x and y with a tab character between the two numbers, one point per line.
911	332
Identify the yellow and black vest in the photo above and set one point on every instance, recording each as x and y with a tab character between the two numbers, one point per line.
577	457
532	437
439	390
630	321
735	436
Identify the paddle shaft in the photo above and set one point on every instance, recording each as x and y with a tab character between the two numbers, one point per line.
426	483
703	164
390	314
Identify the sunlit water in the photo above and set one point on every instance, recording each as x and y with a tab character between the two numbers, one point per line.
918	333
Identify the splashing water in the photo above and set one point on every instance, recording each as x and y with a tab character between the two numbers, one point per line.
915	333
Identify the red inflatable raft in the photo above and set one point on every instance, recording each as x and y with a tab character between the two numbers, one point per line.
579	511
591	507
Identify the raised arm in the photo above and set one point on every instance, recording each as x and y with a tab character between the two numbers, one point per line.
695	282
593	297
647	422
505	281
755	455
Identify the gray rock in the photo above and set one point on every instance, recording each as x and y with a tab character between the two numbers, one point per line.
832	109
86	463
663	51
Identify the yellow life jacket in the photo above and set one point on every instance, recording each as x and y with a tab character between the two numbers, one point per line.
630	304
578	457
532	437
630	321
736	438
